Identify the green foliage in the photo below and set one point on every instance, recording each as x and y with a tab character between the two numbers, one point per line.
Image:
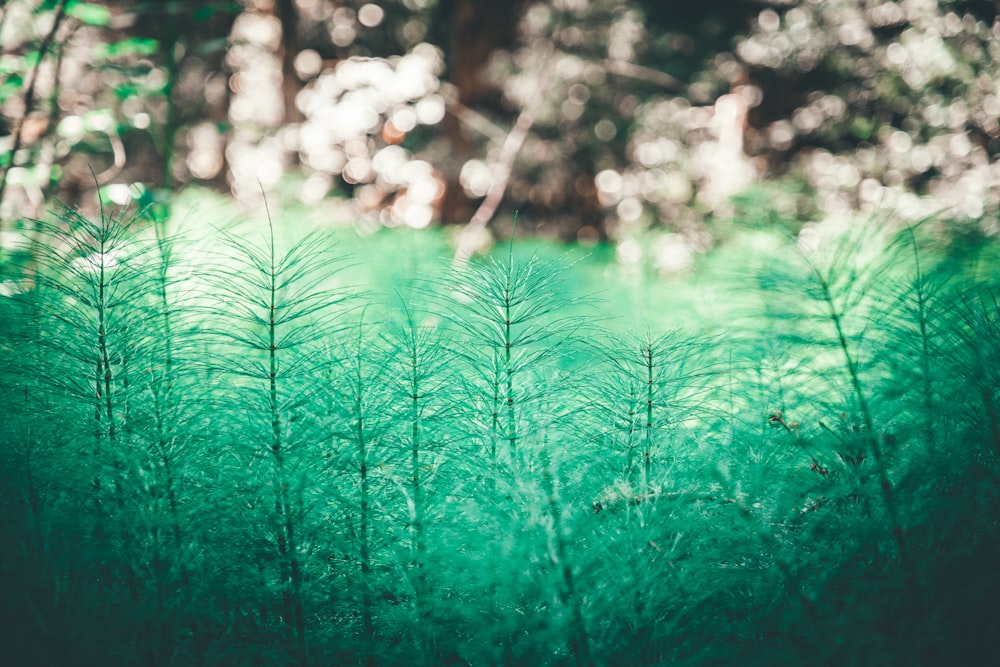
210	453
85	95
134	46
89	13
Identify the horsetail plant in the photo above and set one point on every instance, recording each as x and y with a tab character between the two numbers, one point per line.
840	292
972	341
213	462
170	399
93	295
513	319
840	284
361	421
652	385
92	270
420	366
918	304
274	308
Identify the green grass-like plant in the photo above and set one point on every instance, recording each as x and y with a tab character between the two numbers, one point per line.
216	451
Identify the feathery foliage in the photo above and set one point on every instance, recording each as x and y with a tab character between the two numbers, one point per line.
213	454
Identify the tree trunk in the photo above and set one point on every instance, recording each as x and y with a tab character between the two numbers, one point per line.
477	29
290	84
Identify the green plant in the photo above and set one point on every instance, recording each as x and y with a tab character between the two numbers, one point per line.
514	318
206	457
361	417
276	308
649	387
420	365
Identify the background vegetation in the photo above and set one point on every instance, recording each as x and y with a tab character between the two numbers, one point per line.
650	123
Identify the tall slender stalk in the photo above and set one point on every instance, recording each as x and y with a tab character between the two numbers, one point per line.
94	268
651	384
362	419
836	317
167	409
579	639
921	297
364	507
422	361
276	307
650	362
91	286
515	318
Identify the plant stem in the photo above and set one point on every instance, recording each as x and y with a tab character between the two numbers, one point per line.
361	439
579	640
647	358
291	582
920	291
509	374
417	546
852	369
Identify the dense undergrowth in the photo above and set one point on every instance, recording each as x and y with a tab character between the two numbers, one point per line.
218	451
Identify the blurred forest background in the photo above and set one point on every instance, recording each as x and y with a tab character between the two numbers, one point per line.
651	123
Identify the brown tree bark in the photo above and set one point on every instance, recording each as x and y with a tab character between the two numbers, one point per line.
290	84
476	29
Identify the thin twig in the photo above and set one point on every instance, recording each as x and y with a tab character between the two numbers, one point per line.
29	94
502	171
475	120
648	74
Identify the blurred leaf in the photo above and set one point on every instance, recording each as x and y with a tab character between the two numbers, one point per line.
99	120
129	71
10	86
212	46
134	46
11	64
203	14
123	91
224	7
89	13
30	59
862	128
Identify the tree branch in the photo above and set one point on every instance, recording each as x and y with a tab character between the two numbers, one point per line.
633	71
29	94
503	167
